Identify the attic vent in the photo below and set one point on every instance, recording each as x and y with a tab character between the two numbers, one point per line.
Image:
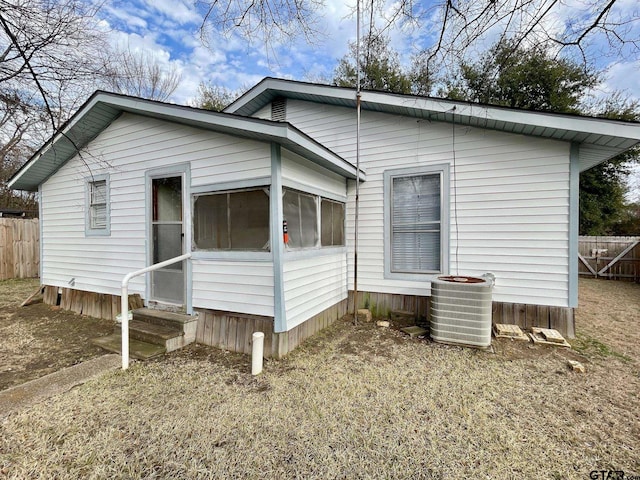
279	110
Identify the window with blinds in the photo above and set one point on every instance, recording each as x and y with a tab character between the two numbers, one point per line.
98	206
416	225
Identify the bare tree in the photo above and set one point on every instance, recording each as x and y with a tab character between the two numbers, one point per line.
580	30
50	52
49	60
139	73
263	21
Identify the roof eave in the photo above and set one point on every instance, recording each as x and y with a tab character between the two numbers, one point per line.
615	135
263	130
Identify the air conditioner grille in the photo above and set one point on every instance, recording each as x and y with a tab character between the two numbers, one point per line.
461	310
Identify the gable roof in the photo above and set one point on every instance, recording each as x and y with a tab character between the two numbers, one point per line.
102	108
599	139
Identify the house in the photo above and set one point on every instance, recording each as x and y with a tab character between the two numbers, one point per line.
263	197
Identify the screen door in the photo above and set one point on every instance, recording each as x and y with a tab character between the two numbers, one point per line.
167	284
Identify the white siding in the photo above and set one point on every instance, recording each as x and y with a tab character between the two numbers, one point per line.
297	169
129	147
312	285
264	112
319	279
509	198
244	287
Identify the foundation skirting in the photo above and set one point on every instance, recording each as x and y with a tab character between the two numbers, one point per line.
233	331
523	315
98	305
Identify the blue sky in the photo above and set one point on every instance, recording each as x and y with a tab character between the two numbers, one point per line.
169	30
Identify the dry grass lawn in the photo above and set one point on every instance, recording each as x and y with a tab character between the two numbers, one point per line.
38	340
355	402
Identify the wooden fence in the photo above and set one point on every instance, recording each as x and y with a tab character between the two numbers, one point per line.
615	258
19	248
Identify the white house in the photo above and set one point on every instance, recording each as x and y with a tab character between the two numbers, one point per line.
128	183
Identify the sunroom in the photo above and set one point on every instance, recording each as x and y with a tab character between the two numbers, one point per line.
258	205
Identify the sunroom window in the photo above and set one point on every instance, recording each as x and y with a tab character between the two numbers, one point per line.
235	220
332	223
301	213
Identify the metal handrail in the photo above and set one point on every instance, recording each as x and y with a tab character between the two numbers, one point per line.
124	301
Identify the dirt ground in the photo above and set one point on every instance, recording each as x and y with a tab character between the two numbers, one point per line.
355	401
38	339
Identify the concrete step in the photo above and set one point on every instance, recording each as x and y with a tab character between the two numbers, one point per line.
152	333
162	317
185	324
137	349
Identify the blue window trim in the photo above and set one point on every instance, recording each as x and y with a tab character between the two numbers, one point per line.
227	254
277	244
443	170
574	214
97	232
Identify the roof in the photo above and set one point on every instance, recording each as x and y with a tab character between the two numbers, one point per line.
102	108
599	139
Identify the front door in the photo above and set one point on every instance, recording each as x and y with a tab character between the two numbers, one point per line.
167	284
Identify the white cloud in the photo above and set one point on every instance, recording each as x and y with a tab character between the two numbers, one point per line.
174	10
623	76
123	16
169	29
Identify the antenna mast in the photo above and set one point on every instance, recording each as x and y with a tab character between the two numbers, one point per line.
358	95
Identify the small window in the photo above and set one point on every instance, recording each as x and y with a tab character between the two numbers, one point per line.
236	220
332	223
301	213
417	223
98	222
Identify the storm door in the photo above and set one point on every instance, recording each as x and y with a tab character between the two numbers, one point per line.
167	284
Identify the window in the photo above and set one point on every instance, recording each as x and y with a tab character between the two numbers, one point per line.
301	213
416	226
332	223
97	217
237	220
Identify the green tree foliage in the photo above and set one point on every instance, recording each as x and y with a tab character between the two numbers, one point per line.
629	223
214	97
532	78
379	65
603	206
602	198
524	78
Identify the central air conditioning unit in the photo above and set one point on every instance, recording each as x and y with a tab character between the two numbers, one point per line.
461	310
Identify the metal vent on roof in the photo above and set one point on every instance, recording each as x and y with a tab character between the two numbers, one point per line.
279	110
